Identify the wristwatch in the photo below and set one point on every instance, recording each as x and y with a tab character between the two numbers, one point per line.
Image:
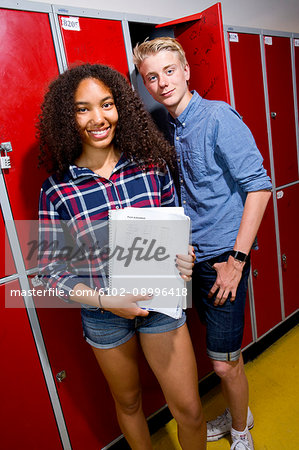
239	256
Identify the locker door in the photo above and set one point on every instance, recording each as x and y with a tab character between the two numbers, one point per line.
86	402
94	41
198	336
247	336
265	276
296	51
245	57
281	102
246	65
85	397
288	218
201	36
27	64
7	265
26	415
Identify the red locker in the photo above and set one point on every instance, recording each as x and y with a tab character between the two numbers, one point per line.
27	419
264	265
281	102
247	336
296	52
84	394
198	336
288	218
7	265
94	41
246	64
27	64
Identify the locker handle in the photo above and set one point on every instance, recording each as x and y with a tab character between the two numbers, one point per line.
255	273
284	261
273	115
60	376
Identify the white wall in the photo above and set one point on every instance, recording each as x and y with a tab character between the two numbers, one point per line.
280	15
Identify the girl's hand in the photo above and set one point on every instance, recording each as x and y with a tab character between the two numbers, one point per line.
124	305
185	264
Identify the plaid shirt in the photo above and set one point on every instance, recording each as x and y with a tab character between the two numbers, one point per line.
73	215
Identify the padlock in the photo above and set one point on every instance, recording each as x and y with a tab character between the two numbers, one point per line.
5	162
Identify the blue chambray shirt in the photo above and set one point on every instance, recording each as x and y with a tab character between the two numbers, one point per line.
218	163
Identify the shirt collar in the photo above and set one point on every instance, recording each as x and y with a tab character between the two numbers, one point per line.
77	172
181	119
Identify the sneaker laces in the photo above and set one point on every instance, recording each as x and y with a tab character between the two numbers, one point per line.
240	445
220	420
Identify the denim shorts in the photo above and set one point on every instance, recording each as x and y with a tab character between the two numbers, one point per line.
103	329
224	323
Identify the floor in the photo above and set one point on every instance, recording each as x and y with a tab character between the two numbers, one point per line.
274	400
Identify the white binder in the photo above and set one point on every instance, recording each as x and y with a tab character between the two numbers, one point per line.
143	245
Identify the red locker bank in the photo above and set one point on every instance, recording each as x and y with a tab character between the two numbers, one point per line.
52	390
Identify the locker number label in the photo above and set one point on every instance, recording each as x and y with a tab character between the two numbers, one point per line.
233	37
296	42
268	40
70	23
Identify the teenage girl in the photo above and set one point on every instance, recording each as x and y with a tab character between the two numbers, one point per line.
105	153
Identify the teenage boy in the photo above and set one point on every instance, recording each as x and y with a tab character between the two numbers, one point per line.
224	189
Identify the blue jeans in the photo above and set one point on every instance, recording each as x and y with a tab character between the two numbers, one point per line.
224	323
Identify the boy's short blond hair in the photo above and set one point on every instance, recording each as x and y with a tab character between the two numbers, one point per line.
147	48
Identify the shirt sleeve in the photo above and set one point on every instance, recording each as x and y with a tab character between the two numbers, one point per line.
235	144
61	262
168	190
53	268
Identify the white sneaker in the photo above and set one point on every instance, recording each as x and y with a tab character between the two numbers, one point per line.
243	442
221	426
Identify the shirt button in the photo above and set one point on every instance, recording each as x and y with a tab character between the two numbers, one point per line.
177	138
182	181
117	207
184	201
184	124
179	159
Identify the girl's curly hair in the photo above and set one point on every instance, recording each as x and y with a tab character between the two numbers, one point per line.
136	135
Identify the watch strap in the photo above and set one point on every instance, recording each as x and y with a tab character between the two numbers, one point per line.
239	256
